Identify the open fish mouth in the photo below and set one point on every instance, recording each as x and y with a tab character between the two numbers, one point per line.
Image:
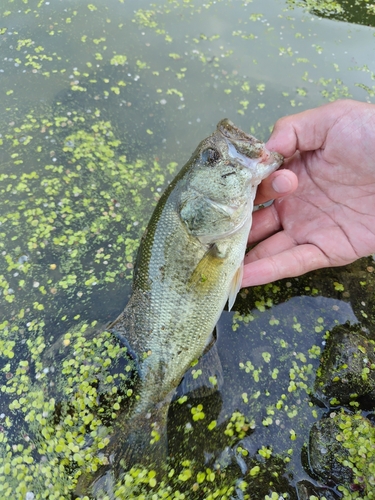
245	148
271	158
233	133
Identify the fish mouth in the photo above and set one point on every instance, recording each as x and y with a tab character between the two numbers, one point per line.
260	159
229	130
271	159
246	149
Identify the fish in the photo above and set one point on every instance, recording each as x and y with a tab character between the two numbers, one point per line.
189	265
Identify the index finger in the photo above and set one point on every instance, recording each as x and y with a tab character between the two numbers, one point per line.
307	131
288	263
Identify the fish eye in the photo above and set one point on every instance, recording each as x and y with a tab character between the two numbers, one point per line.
210	156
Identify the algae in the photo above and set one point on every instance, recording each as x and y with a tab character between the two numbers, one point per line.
351	11
342	448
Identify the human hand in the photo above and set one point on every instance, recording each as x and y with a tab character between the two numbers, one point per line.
329	220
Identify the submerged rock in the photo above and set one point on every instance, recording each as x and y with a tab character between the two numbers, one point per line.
342	452
347	370
326	454
307	490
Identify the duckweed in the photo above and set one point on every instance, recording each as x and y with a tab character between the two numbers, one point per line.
64	417
77	189
357	436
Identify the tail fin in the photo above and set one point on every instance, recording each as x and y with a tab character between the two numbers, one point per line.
139	441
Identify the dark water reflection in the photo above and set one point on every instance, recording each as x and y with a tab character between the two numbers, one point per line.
351	11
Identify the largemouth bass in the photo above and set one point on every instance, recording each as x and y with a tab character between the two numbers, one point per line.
189	265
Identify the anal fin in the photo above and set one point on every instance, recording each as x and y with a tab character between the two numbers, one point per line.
209	381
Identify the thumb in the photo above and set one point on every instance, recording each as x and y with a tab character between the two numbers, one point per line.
280	183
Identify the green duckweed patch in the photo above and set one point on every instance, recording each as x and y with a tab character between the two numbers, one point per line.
68	396
73	223
359	12
69	226
357	436
66	410
90	93
288	342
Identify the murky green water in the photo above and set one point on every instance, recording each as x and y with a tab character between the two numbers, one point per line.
101	103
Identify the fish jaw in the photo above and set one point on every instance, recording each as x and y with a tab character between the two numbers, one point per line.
249	151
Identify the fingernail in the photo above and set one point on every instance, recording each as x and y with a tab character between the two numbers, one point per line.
281	184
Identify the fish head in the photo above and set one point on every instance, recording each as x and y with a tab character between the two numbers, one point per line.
221	181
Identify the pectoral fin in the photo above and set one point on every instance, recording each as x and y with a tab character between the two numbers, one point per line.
235	286
207	267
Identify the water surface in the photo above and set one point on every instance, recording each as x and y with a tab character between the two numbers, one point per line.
101	104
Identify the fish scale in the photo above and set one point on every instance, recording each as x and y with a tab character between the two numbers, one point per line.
189	264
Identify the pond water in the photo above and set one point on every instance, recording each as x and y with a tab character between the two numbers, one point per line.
101	103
